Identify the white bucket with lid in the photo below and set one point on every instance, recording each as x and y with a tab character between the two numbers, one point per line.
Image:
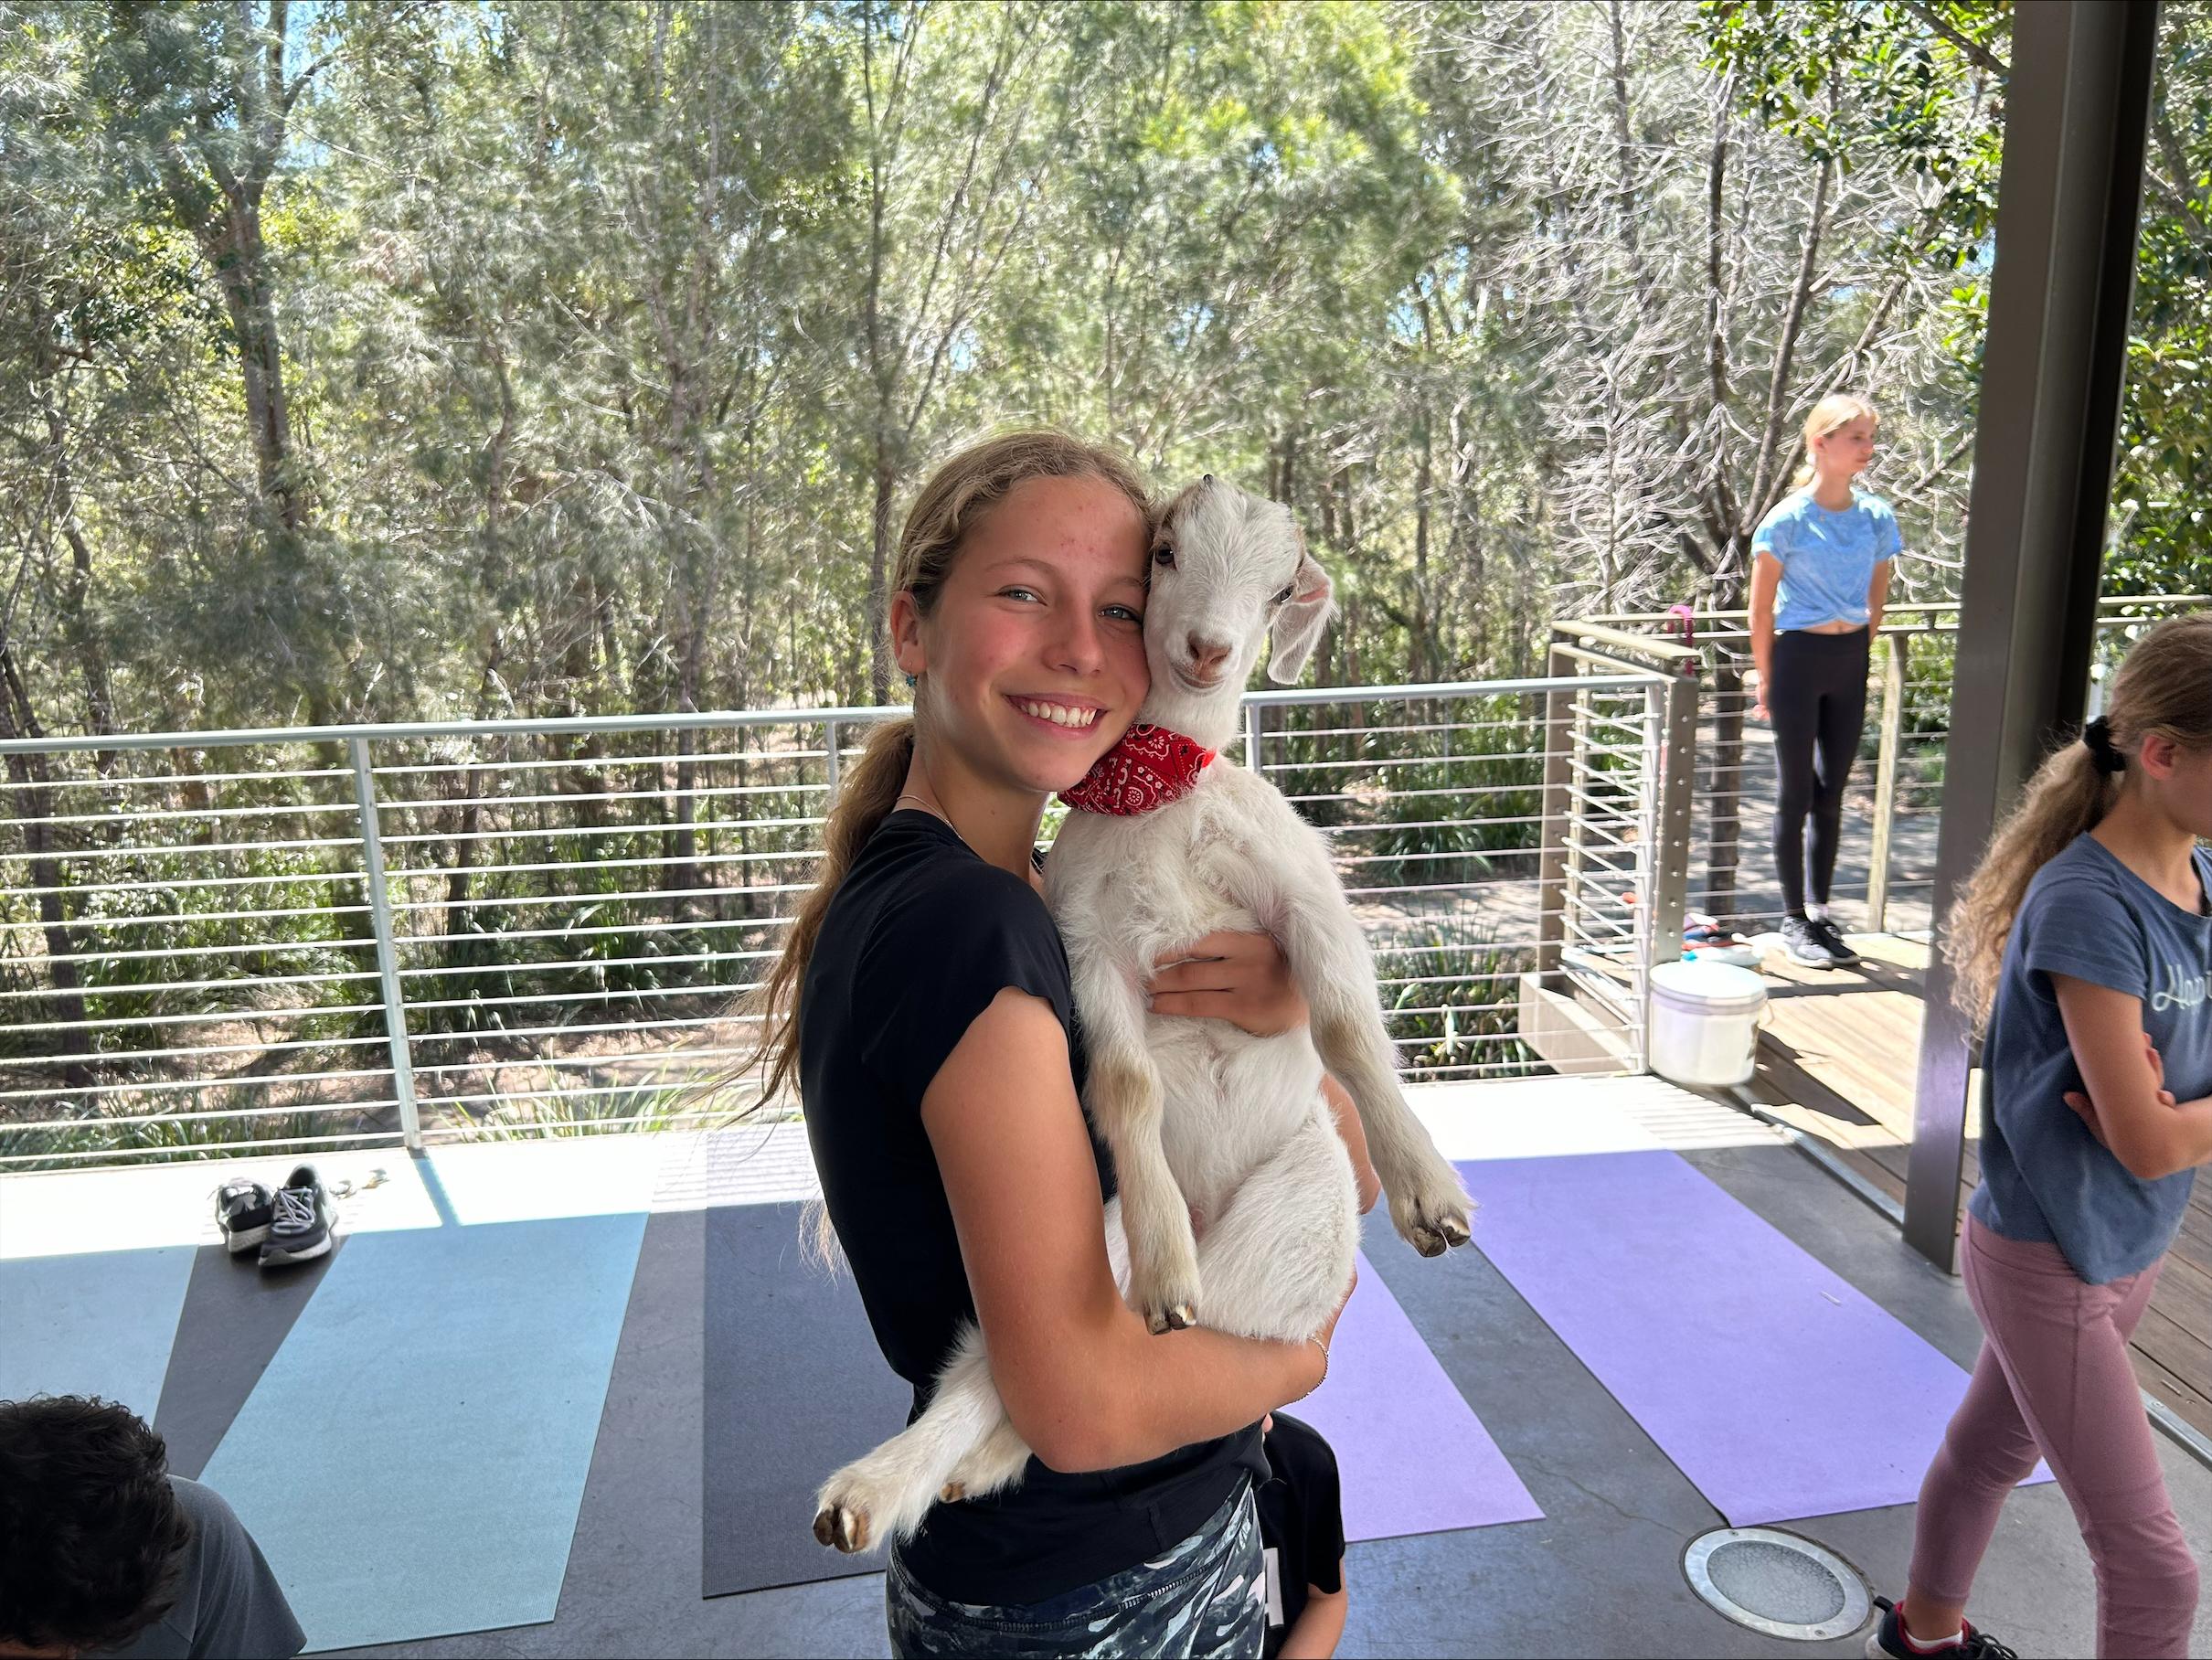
1704	1022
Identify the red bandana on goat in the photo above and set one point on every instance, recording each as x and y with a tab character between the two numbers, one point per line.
1149	768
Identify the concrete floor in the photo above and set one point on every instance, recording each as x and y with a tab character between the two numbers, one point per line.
1601	1575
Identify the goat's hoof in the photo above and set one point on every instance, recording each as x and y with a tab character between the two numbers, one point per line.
1175	1318
951	1493
1433	1238
842	1526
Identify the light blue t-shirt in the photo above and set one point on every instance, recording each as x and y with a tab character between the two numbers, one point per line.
2043	1175
1827	557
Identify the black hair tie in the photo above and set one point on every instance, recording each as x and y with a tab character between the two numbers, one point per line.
2098	735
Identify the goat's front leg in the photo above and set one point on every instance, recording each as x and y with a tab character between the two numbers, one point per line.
1124	1099
1329	957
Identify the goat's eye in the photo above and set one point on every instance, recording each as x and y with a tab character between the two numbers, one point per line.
1283	598
1163	557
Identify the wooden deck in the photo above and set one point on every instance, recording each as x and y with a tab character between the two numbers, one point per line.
1838	1060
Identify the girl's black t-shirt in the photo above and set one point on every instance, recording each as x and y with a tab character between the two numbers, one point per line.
920	938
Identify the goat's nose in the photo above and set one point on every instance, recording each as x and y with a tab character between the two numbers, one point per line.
1206	656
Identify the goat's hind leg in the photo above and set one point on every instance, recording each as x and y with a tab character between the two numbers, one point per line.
999	1459
885	1493
1124	1099
1277	1260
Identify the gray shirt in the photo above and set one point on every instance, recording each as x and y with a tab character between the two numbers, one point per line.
2044	1176
229	1604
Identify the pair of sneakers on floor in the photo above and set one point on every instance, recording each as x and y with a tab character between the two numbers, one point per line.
1816	941
290	1225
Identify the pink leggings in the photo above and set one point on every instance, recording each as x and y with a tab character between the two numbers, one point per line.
2054	1378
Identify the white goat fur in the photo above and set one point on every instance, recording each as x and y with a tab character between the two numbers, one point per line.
1197	1113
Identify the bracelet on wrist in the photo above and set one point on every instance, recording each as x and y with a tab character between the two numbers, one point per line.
1324	1347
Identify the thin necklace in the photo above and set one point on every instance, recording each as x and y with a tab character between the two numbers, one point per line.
936	812
939	813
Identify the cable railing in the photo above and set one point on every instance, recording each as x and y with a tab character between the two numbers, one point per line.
1885	863
314	938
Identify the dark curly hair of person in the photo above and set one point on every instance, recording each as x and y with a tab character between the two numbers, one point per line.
91	1536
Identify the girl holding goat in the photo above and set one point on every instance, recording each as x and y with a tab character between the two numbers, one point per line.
923	1005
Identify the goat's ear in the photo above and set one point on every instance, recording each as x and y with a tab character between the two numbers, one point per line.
1296	630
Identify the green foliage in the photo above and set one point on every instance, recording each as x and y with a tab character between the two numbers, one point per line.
2161	538
544	356
1916	81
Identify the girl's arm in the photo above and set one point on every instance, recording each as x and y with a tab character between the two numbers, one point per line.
1083	1380
1320	1625
1766	579
1355	1137
1877	596
2126	1105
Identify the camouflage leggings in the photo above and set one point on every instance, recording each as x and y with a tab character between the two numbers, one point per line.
1205	1599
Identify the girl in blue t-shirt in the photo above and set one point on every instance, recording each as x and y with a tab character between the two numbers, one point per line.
1819	573
2084	939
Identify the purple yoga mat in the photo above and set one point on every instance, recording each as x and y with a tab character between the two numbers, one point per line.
1776	1388
1412	1455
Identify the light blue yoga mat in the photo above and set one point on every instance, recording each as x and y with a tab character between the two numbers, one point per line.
96	1324
1780	1389
413	1459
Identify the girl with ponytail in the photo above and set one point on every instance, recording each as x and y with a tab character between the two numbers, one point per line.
922	1006
1819	573
2083	945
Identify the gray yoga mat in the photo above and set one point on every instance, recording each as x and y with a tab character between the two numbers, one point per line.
795	1387
236	1316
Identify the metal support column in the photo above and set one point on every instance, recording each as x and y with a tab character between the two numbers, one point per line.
2068	202
388	958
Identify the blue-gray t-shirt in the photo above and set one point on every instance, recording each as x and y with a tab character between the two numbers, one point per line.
1827	556
228	1605
2044	1176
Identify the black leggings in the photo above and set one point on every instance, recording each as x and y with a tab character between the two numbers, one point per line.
1816	695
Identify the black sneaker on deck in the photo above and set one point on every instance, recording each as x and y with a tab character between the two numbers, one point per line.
1839	951
300	1231
1800	938
243	1210
1889	1640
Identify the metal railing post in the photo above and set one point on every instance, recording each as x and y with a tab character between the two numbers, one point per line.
1676	789
829	745
1551	868
1251	737
1885	782
388	963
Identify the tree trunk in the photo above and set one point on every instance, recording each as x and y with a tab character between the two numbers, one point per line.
34	804
1420	648
83	640
879	549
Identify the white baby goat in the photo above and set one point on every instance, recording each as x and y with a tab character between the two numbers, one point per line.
1197	1113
